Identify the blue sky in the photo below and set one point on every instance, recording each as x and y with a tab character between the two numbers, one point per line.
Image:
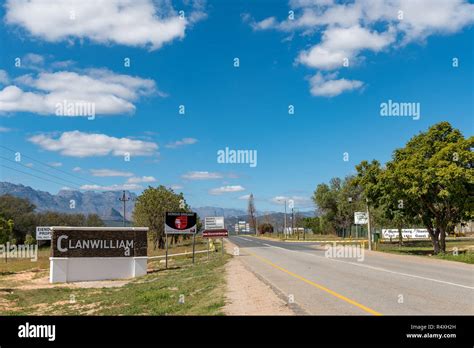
191	63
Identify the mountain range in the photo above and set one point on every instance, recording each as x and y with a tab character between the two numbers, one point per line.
108	206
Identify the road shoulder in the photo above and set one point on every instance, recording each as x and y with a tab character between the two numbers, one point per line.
246	294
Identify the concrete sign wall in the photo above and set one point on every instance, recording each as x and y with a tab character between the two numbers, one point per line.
96	253
98	243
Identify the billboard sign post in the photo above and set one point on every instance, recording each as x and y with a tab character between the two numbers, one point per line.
214	228
180	223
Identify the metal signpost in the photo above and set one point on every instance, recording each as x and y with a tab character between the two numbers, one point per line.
214	227
362	218
179	223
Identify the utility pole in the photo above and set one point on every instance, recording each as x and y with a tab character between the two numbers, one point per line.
284	231
369	233
293	221
256	224
124	200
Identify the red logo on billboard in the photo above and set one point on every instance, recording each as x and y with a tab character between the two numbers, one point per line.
181	222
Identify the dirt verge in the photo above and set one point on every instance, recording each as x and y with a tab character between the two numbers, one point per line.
248	295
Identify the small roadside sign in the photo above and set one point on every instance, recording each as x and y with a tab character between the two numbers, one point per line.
360	218
214	223
215	233
43	232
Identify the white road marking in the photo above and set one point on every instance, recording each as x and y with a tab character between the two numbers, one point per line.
376	268
248	240
399	273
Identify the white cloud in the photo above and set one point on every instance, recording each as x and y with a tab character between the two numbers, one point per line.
201	176
244	197
32	61
327	86
226	189
79	144
143	179
267	23
430	17
142	23
130	187
348	29
176	187
76	169
340	43
109	173
182	142
55	164
5	130
51	93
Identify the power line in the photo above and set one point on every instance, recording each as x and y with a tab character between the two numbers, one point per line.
50	166
42	172
38	177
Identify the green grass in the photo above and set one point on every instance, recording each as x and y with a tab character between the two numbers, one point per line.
181	247
308	237
157	293
424	248
14	265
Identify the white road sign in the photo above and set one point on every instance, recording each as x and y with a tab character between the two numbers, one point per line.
407	233
360	218
43	233
214	223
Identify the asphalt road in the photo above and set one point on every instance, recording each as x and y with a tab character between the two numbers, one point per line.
377	284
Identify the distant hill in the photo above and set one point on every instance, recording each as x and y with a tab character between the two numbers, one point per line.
215	211
105	204
108	207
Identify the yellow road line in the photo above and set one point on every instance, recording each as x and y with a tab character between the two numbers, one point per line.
329	291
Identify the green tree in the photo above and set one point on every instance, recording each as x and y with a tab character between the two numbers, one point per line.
252	213
21	211
313	223
325	199
150	209
6	230
337	203
433	178
93	220
265	228
54	218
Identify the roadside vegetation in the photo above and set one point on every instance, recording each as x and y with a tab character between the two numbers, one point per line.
18	220
456	250
428	184
182	289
